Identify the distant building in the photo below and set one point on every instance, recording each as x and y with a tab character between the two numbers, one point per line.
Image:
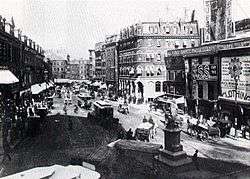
59	65
90	65
142	51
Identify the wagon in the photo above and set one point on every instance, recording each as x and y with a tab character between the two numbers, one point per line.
203	131
143	131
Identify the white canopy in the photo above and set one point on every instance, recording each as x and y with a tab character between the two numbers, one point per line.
145	125
96	84
104	86
56	172
38	88
7	77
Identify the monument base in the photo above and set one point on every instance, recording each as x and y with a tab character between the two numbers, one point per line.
174	162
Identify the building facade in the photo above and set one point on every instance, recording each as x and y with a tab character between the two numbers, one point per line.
90	65
142	51
111	59
99	55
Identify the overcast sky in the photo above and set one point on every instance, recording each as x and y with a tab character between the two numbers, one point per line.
74	26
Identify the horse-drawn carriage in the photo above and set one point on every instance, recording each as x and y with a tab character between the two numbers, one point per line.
144	131
203	131
84	101
103	114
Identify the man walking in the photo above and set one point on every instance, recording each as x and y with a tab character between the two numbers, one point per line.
194	159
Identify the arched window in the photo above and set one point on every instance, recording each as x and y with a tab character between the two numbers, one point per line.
157	86
139	70
158	72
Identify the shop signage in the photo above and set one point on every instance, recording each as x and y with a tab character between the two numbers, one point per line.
206	72
226	45
241	67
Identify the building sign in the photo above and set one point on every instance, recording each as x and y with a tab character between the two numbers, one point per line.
208	21
228	66
205	72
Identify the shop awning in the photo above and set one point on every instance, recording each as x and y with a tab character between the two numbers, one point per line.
56	172
7	77
38	88
96	84
104	86
61	80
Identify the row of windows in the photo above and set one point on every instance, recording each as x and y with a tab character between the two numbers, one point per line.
155	29
59	63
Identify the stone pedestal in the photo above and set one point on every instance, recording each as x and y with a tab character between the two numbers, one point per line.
173	155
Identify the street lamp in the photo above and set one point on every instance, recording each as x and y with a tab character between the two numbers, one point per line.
235	72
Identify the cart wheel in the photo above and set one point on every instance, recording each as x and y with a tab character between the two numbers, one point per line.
204	135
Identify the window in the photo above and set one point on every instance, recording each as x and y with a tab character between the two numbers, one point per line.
200	61
156	30
158	72
184	44
176	44
171	75
171	89
211	60
159	57
167	30
165	86
192	43
191	30
158	43
158	86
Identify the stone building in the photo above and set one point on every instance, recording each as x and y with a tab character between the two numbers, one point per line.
99	55
90	65
111	59
142	50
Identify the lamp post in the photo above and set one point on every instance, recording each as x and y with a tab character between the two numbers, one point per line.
235	72
46	79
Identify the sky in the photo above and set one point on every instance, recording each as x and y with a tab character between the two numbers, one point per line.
74	26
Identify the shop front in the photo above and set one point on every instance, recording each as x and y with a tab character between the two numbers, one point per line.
235	87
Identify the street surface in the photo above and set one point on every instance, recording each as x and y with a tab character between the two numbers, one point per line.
58	144
227	149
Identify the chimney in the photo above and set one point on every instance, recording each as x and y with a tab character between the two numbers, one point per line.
34	45
30	43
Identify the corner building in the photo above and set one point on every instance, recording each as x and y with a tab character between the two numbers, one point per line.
142	50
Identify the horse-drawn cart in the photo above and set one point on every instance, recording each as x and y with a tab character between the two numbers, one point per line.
202	131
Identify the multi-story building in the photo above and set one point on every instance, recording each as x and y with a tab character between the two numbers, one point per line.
142	49
90	65
217	73
22	65
59	65
99	49
73	69
111	58
22	56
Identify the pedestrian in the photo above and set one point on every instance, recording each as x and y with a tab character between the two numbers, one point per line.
129	134
194	159
144	119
